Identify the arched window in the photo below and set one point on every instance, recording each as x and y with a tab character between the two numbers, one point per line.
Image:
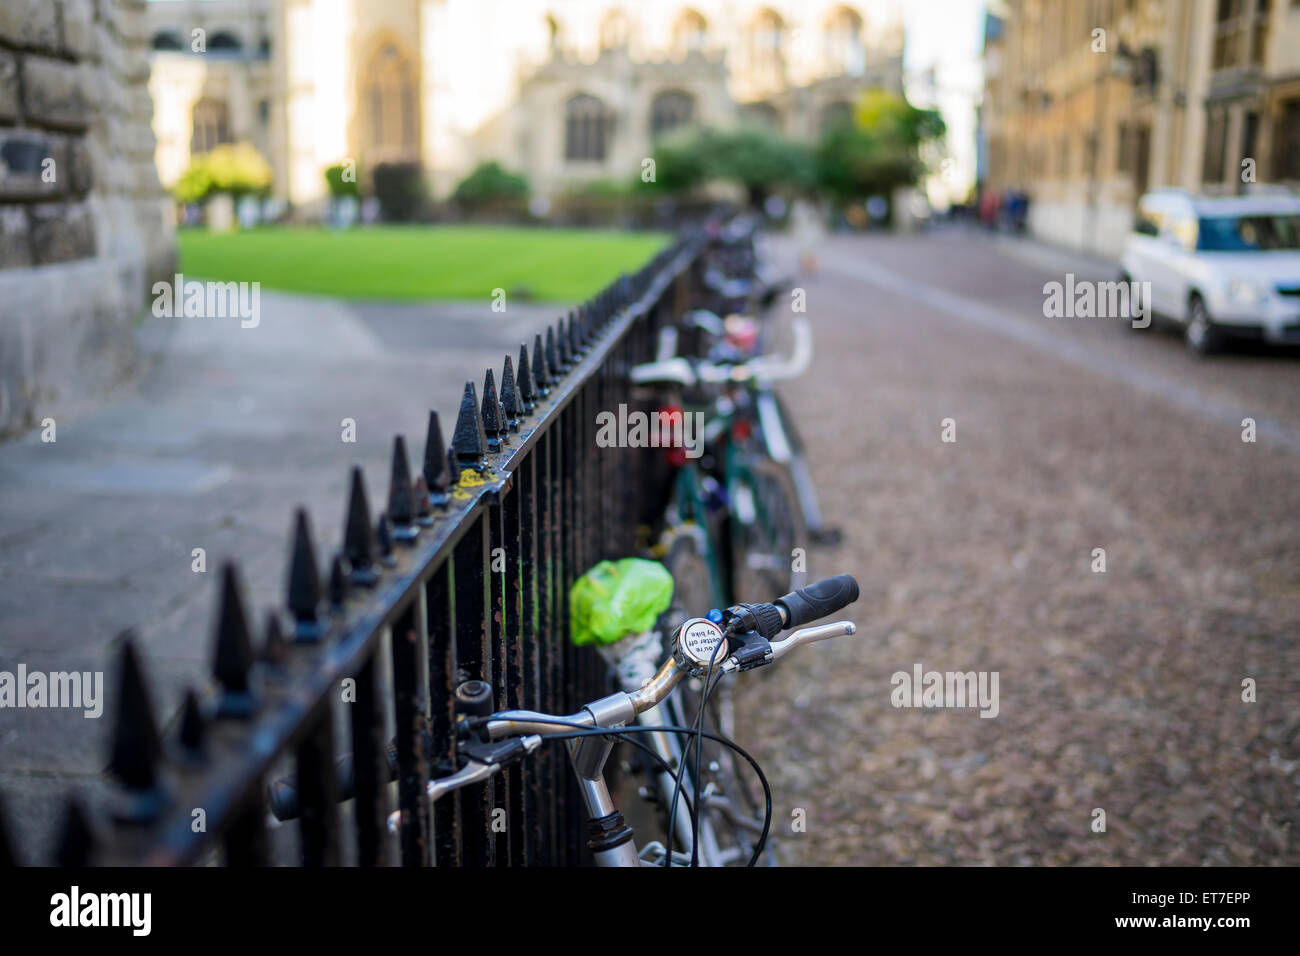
588	124
168	40
223	41
389	101
767	47
613	30
211	118
836	114
845	52
690	30
670	109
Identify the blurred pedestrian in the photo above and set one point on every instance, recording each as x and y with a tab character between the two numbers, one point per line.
809	231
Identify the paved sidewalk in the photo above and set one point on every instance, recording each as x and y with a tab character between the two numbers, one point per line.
215	445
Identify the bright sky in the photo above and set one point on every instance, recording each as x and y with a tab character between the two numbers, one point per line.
948	36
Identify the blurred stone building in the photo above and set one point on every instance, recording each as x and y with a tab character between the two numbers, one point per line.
565	91
1182	94
84	223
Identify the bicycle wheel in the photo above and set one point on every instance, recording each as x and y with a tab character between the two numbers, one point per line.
769	538
732	821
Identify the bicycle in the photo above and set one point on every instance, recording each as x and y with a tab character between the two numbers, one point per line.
740	639
737	513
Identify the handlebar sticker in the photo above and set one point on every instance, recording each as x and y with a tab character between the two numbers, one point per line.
698	640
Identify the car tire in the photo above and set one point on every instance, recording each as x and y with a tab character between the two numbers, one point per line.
1125	278
1203	337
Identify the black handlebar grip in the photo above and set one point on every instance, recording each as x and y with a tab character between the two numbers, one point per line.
282	794
818	600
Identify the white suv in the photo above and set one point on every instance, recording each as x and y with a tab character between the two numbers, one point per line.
1221	267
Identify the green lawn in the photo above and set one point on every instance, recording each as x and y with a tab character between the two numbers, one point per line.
419	262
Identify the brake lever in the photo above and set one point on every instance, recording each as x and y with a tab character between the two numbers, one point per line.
811	635
755	651
486	759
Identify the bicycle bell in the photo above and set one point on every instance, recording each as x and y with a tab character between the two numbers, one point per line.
696	642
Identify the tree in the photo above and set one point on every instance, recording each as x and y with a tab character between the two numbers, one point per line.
235	168
879	151
761	161
681	161
752	157
489	182
341	180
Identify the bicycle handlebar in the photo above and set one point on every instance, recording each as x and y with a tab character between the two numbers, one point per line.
764	368
796	608
527	728
818	600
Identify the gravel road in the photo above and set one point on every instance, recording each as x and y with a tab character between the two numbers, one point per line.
1119	691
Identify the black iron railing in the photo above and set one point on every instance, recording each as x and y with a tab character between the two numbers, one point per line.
464	575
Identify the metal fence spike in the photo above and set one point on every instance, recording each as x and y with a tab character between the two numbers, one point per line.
384	535
423	511
562	346
304	582
553	369
510	400
576	344
453	467
541	370
233	658
275	646
137	749
494	425
358	535
401	494
76	843
527	390
338	583
468	441
193	729
435	459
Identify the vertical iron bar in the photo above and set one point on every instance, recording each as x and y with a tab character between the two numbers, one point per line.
369	767
318	791
504	797
245	840
546	637
474	662
442	687
412	762
529	640
516	689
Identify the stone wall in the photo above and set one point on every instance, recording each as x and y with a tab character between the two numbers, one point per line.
85	227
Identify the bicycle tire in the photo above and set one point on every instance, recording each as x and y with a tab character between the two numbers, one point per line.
765	546
686	564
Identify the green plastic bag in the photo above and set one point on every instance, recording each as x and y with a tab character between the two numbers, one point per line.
618	598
